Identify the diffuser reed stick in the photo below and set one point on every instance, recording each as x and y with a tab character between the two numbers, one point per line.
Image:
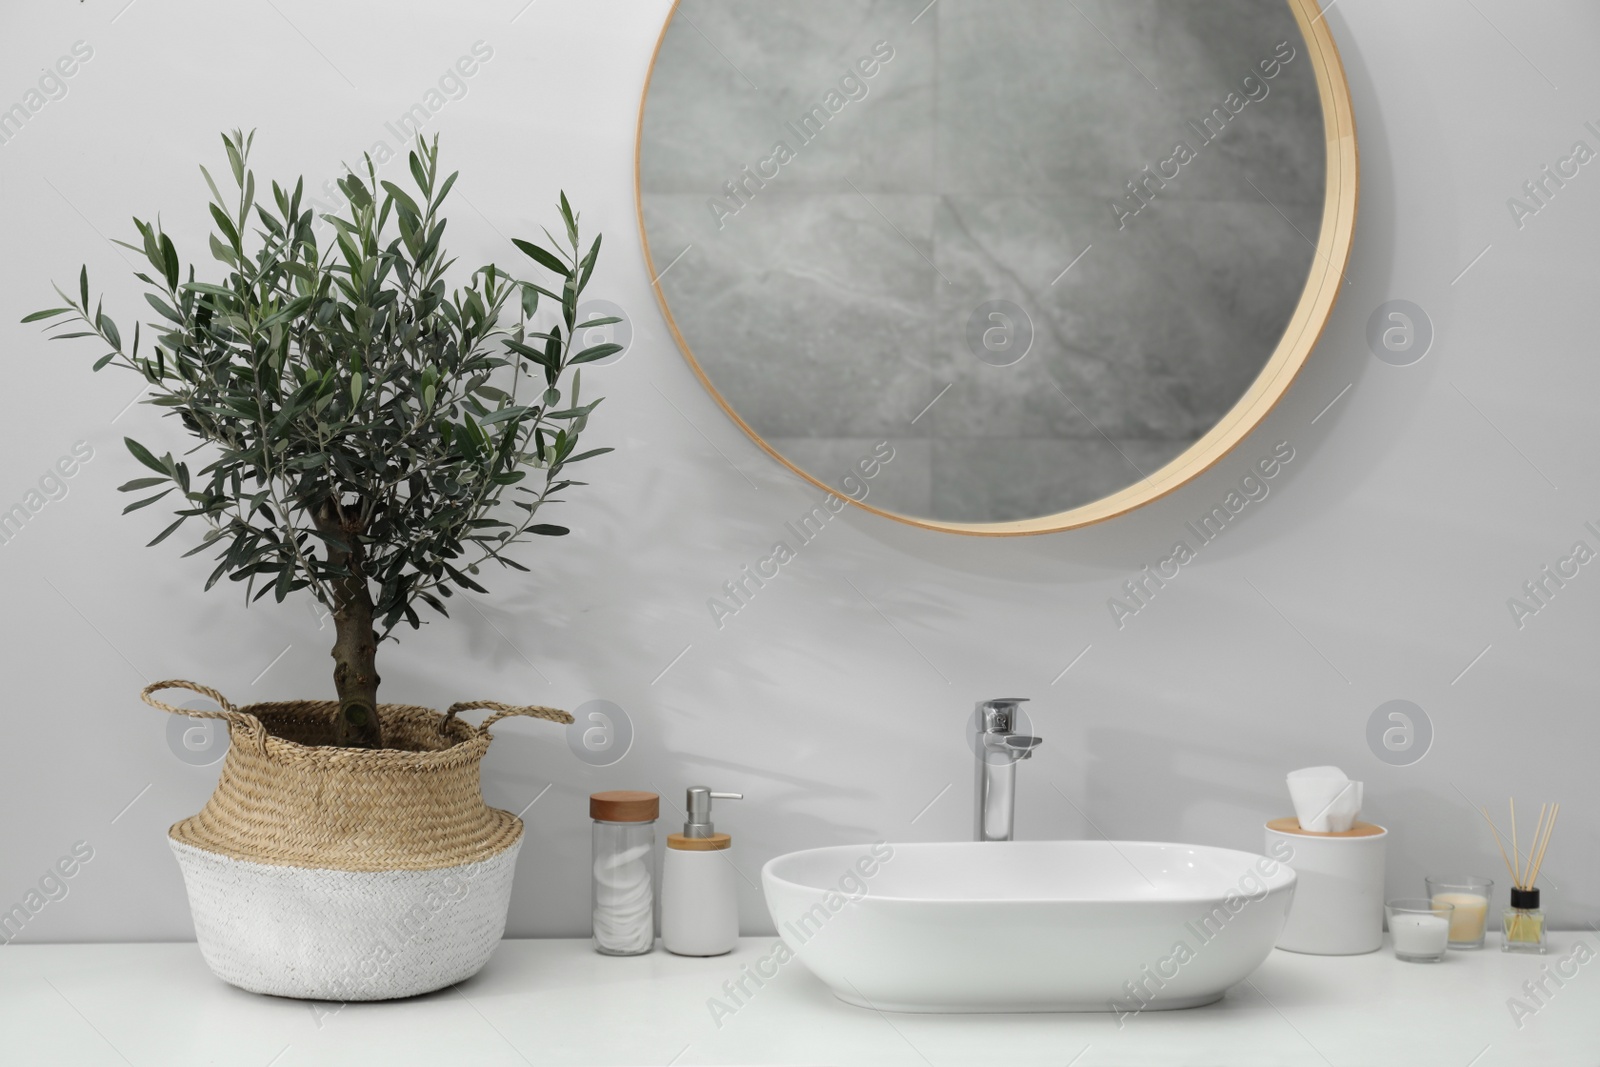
1539	861
1498	843
1524	921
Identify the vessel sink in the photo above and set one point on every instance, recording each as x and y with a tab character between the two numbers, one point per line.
1028	926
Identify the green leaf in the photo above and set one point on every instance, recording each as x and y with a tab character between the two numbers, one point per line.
163	308
211	184
143	455
589	355
141	483
209	290
444	187
147	501
356	382
570	219
463	580
547	530
83	286
216	575
49	313
220	251
575	412
164	534
541	357
224	224
235	161
504	414
589	260
538	255
169	259
210	539
417	173
402	196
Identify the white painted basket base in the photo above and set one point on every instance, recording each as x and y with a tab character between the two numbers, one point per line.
345	935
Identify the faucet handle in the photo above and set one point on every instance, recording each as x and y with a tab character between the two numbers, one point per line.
1021	747
999	714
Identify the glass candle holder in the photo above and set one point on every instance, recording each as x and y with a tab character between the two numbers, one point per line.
1524	923
1419	928
1470	916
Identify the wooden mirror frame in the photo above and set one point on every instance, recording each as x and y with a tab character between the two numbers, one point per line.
1299	338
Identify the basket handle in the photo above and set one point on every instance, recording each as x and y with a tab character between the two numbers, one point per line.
501	711
236	719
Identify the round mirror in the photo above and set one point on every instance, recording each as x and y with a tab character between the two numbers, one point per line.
997	266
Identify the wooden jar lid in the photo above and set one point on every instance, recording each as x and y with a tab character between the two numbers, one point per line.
1291	825
624	805
699	844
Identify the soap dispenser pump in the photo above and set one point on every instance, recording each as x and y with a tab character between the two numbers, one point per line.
699	891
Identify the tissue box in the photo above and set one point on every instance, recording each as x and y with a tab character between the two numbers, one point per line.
1338	899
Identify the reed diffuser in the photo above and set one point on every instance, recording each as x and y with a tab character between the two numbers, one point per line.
1524	921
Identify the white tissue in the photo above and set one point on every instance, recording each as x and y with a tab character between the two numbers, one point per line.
1325	800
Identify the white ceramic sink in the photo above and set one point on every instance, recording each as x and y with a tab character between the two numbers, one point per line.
1017	926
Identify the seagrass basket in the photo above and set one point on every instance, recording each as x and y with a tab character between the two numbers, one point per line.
345	874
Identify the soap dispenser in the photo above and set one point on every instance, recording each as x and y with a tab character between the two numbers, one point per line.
699	891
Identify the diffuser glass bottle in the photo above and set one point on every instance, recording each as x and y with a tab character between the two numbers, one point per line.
1523	927
1524	923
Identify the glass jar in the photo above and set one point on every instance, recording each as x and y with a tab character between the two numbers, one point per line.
624	840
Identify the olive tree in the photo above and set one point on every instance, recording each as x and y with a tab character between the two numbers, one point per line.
364	431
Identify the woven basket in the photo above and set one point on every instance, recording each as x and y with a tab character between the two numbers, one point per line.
347	874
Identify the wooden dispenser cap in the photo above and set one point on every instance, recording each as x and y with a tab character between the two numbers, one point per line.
624	805
714	843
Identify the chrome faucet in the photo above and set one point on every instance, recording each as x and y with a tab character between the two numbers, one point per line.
999	749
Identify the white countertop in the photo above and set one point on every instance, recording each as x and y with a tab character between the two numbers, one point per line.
558	1002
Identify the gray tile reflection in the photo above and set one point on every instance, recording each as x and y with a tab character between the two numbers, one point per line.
842	228
1144	334
810	314
990	480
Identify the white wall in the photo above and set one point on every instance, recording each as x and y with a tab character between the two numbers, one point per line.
1379	567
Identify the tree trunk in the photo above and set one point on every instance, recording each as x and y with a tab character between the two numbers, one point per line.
355	644
355	671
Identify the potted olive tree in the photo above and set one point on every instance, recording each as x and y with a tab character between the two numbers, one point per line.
370	436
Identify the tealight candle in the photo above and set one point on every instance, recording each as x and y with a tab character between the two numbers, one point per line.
1469	917
1420	929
